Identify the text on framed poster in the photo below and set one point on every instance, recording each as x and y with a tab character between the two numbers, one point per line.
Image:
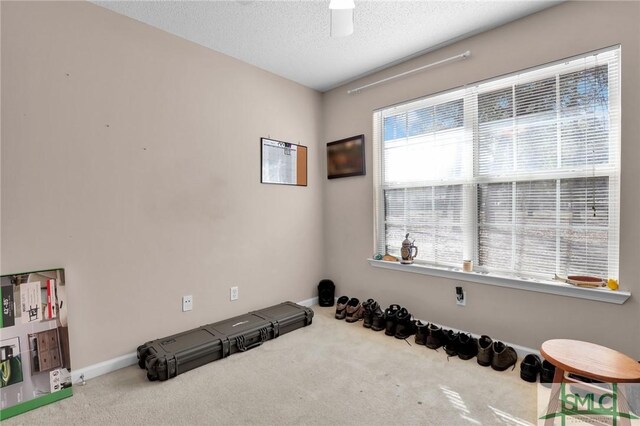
283	163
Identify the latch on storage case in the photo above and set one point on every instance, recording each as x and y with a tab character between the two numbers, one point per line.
171	368
226	346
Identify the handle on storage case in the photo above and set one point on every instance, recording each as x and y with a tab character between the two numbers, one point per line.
252	346
240	341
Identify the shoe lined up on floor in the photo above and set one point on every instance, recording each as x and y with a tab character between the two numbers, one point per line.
466	346
450	337
398	322
354	310
405	326
421	333
341	307
372	316
378	321
547	371
391	319
530	368
367	316
503	356
485	351
434	336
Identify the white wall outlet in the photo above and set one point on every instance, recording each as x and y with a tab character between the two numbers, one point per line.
234	293
187	303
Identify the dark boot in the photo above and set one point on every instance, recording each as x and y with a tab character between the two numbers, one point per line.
467	346
451	343
369	306
421	333
485	351
378	321
405	326
435	336
391	318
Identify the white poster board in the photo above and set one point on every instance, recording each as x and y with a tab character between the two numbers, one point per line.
283	163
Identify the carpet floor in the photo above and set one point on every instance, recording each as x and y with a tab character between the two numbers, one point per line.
330	373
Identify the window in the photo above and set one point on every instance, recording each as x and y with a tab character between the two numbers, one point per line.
520	173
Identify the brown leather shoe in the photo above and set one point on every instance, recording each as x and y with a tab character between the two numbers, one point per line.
485	351
355	311
341	307
503	356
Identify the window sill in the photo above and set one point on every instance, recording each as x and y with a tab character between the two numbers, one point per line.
541	286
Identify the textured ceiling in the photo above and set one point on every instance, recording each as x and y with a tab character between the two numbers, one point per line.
291	38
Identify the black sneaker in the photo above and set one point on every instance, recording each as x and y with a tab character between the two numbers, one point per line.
503	356
467	346
405	326
434	337
421	333
449	342
529	368
369	306
391	318
485	351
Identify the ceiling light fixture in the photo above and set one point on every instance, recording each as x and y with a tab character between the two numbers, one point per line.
341	17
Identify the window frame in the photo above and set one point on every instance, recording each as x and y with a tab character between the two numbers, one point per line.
472	182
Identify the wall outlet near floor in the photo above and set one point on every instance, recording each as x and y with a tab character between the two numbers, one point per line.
234	293
187	303
461	297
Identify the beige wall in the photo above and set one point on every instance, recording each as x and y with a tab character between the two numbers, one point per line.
517	316
131	158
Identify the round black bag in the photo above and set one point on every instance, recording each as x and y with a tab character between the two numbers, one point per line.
326	293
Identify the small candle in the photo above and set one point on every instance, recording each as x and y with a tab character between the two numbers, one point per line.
467	265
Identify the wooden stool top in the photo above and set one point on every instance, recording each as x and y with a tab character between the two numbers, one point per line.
591	360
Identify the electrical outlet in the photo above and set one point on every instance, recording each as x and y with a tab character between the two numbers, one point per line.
187	303
461	297
234	293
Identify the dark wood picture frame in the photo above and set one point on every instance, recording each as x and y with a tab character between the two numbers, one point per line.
346	157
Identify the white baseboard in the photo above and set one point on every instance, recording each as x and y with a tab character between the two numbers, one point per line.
123	361
309	302
103	367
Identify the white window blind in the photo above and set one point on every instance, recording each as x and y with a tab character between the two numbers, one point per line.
519	174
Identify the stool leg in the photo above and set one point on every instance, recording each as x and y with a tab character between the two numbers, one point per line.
554	401
623	406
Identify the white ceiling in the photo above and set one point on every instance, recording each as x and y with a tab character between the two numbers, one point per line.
291	38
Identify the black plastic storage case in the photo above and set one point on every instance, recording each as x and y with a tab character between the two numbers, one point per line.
173	355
